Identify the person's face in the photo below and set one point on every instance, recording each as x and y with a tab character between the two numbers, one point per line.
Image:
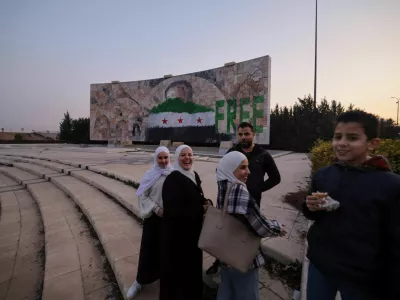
186	159
351	144
162	160
242	171
245	137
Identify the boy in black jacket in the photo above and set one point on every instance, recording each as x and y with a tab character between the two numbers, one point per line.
355	249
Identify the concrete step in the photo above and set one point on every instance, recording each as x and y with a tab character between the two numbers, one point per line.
40	171
125	194
20	176
73	263
5	162
6	181
118	232
21	244
62	168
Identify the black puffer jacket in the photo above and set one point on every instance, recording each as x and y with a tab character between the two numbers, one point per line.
360	242
260	162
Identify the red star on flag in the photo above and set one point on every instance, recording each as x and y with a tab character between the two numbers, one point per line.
199	120
180	120
164	121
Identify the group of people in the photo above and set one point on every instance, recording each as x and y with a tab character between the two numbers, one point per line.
353	249
173	206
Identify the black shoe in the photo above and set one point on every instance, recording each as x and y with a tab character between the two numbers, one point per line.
214	269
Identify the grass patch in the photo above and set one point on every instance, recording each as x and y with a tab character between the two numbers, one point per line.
131	183
288	274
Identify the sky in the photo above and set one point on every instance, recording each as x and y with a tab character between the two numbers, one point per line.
52	50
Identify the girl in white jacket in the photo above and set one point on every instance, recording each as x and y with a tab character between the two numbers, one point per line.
151	210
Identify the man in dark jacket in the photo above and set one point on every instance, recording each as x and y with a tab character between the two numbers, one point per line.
260	163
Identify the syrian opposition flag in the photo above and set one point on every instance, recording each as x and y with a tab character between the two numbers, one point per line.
177	120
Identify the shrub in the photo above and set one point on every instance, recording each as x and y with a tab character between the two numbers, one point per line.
322	154
18	137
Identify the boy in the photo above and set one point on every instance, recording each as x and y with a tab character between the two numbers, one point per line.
355	249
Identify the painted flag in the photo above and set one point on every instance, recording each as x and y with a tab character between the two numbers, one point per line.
177	120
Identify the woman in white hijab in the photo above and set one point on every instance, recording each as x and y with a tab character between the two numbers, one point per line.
184	207
232	171
151	210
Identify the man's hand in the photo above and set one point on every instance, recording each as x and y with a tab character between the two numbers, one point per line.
283	230
314	203
160	212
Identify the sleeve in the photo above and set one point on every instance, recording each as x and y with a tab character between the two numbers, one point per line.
392	237
247	210
312	215
146	205
274	177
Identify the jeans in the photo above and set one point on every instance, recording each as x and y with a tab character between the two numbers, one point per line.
321	287
236	285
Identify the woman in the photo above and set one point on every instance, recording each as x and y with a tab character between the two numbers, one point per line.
151	210
184	207
233	170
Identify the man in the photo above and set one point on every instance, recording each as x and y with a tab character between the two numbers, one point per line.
260	162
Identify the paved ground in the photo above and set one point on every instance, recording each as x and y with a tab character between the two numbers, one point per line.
129	164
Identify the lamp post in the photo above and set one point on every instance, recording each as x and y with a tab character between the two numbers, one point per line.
398	101
315	56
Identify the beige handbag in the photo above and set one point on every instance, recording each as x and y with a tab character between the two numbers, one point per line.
227	238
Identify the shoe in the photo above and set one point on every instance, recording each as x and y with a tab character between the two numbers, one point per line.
214	269
134	290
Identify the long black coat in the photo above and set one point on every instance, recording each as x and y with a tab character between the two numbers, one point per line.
181	259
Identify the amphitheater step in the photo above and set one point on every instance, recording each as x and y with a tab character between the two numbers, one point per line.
21	244
74	266
18	175
6	181
125	194
35	169
119	233
62	168
5	162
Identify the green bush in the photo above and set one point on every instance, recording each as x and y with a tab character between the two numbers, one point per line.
18	137
322	154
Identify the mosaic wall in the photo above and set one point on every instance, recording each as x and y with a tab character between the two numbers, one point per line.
202	107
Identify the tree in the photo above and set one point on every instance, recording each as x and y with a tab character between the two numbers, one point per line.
80	130
18	137
66	128
2	130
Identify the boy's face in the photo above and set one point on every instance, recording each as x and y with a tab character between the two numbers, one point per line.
351	144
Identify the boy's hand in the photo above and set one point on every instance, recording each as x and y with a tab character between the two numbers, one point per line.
283	230
314	203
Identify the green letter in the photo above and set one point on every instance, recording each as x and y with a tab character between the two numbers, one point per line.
244	114
257	113
230	115
218	116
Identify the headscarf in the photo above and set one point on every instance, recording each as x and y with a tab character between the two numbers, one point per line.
190	173
152	175
228	164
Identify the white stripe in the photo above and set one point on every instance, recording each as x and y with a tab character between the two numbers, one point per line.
169	119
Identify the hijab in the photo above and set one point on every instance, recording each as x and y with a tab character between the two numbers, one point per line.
227	166
190	173
151	176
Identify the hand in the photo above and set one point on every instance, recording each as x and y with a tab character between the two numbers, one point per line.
160	212
314	203
283	230
205	207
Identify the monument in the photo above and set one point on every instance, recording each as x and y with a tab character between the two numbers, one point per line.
201	107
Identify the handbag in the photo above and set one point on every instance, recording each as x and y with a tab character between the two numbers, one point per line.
228	239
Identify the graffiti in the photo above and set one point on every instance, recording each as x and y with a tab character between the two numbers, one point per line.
198	107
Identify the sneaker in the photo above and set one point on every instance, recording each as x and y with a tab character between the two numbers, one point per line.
214	269
134	290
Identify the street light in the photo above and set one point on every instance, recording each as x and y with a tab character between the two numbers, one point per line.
398	101
315	56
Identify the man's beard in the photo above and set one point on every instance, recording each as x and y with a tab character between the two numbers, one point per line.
246	144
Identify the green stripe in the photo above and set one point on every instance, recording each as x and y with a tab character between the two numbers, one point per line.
177	105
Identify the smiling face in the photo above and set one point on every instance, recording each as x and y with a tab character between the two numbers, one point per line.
351	144
186	159
242	172
162	160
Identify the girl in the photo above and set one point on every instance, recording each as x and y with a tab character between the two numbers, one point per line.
234	169
151	209
184	207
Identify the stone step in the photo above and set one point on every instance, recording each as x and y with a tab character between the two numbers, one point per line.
35	169
6	181
118	232
21	244
5	162
62	168
73	263
125	194
20	176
